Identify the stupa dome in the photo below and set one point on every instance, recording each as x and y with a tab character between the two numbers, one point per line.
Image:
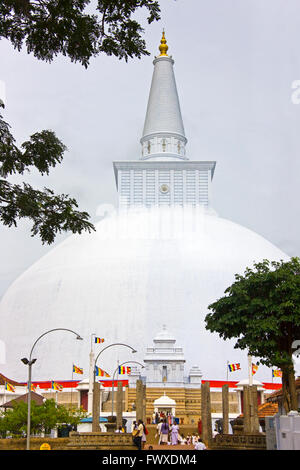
137	272
162	258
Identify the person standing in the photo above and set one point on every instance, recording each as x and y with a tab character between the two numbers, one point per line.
139	434
174	434
134	426
158	427
144	437
164	432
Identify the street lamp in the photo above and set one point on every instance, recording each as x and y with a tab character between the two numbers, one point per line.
29	362
113	382
94	417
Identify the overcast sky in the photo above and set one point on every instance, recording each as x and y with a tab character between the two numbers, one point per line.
235	65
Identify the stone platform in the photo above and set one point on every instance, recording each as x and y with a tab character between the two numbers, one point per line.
100	441
239	442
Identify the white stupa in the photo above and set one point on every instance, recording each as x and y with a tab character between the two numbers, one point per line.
162	257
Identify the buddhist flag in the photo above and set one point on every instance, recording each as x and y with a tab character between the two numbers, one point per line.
124	370
9	387
234	367
276	373
99	340
77	370
55	386
33	388
254	368
101	372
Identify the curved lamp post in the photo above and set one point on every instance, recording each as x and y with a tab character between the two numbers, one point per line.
94	417
113	382
30	362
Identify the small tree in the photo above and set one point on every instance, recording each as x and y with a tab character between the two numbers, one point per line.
262	311
44	417
14	420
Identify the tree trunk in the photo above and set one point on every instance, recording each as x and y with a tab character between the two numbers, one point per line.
289	394
292	388
286	401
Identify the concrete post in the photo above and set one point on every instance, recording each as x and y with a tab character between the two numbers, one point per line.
144	404
91	383
251	421
254	411
206	413
139	400
246	409
119	406
225	409
96	407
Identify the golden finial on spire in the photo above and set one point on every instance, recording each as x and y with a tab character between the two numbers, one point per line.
163	45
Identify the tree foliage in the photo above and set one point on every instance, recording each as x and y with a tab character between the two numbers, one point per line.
44	417
78	29
49	213
261	310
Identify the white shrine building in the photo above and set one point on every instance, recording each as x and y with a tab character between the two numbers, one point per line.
164	364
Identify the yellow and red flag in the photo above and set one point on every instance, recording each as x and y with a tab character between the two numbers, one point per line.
99	340
100	372
9	387
234	367
124	370
77	370
254	368
55	386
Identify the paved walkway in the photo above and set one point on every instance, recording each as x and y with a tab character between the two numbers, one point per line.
169	447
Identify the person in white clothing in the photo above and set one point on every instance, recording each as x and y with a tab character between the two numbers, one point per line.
159	430
200	445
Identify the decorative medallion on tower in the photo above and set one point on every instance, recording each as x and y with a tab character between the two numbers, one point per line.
164	188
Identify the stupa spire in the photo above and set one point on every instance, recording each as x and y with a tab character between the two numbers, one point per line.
163	45
163	135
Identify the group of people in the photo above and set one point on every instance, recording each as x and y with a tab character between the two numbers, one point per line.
169	434
158	417
166	429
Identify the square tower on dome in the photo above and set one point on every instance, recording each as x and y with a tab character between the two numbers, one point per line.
164	362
